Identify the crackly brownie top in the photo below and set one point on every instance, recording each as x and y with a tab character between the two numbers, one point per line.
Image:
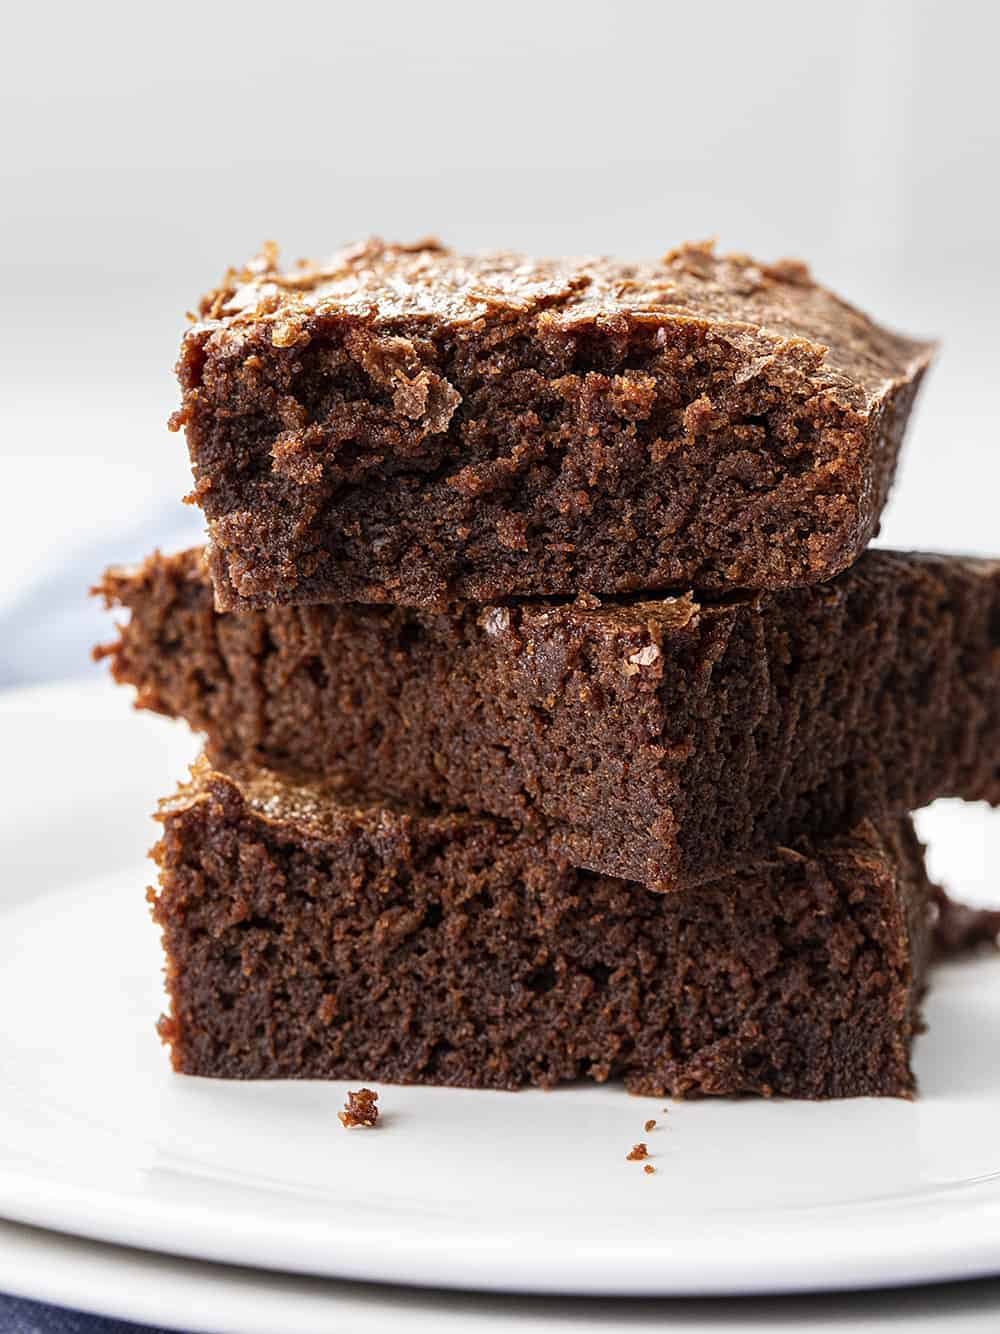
324	808
428	288
332	811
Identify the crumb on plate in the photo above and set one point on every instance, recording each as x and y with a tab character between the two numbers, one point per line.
359	1109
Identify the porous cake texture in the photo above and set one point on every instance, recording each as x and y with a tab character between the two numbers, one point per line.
662	740
405	424
311	933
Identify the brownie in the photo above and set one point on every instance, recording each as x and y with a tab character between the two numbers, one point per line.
360	1109
313	934
405	424
961	928
665	740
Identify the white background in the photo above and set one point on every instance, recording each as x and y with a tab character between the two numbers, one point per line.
147	147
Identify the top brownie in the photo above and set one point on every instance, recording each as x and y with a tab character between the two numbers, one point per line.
405	424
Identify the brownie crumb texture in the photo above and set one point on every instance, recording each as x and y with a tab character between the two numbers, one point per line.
275	897
637	1153
754	722
409	425
360	1109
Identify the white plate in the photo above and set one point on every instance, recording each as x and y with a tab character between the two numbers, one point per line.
196	1296
524	1192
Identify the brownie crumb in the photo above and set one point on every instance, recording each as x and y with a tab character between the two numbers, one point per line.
639	1151
649	1169
650	1125
360	1109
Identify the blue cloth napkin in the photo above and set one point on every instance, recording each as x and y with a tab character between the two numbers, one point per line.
48	631
23	1317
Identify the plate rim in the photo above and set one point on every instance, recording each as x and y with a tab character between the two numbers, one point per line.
201	1297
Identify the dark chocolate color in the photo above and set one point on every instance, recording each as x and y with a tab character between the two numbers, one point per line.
961	929
312	936
408	425
665	740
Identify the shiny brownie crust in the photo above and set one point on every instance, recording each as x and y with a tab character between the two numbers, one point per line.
409	425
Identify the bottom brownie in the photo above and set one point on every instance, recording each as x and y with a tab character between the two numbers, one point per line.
311	937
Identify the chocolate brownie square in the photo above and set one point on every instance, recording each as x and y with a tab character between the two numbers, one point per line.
406	424
313	933
664	740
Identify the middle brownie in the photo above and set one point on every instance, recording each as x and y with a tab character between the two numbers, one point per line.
663	739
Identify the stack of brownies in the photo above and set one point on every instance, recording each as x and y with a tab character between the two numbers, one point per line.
558	723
